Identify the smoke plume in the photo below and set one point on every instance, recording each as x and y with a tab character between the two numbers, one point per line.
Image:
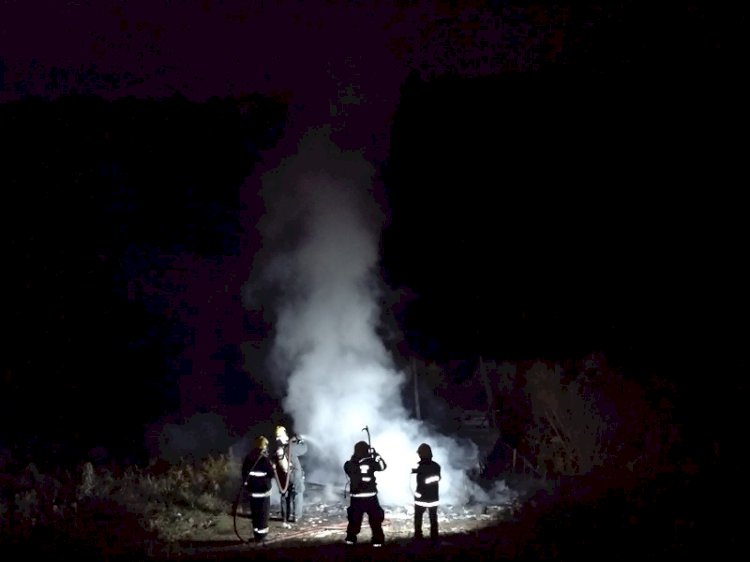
321	242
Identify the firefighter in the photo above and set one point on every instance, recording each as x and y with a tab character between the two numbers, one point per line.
360	470
291	475
257	478
425	483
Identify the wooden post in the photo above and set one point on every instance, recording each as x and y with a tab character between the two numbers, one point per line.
490	395
416	389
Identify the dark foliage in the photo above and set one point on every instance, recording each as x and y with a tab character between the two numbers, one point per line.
100	201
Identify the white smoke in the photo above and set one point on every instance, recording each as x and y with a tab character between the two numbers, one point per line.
321	239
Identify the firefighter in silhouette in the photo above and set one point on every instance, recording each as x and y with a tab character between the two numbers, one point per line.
426	487
286	454
361	469
257	478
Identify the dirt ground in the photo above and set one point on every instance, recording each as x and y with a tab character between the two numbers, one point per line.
325	524
669	518
661	519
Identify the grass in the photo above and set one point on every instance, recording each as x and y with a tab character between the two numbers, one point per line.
113	510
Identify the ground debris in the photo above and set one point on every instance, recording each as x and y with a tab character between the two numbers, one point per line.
325	521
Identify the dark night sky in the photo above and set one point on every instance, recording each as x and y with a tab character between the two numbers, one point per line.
560	215
569	197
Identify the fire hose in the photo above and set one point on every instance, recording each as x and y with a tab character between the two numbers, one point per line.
288	455
282	489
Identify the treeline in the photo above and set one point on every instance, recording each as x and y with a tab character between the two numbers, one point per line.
97	195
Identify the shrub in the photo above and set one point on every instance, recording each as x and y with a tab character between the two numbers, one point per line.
112	513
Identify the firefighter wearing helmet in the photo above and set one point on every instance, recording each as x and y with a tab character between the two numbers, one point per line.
426	488
361	469
286	454
257	478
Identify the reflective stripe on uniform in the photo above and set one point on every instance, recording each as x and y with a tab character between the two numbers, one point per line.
258	473
262	531
427	504
431	479
364	495
262	494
